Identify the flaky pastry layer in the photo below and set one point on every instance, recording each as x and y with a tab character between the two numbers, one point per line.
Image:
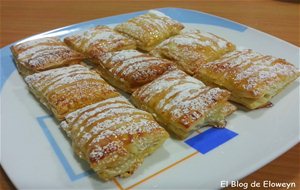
113	136
252	78
43	54
130	69
192	48
98	40
66	89
181	103
150	29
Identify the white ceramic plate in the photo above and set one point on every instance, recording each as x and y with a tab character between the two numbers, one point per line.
36	154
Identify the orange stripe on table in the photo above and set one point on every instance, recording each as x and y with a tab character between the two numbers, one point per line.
117	184
162	170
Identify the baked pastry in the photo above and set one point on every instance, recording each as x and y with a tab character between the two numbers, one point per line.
150	29
180	103
130	69
252	78
98	40
192	48
67	89
43	54
113	136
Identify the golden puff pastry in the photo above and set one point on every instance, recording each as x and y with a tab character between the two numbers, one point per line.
192	48
252	78
66	89
150	29
130	69
43	54
180	103
113	136
96	41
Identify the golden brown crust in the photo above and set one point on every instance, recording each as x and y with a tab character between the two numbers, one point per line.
66	89
150	29
181	102
252	78
113	136
43	54
130	69
192	48
96	41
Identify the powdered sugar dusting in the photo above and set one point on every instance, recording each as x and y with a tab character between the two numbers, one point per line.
52	73
96	115
196	39
124	55
221	42
37	50
175	90
70	79
61	76
103	37
59	86
190	41
27	44
42	79
260	69
185	98
64	125
99	152
72	116
136	30
191	49
150	28
183	105
132	66
252	69
157	86
111	112
131	61
104	125
53	83
164	82
158	13
146	63
255	67
41	54
113	119
128	129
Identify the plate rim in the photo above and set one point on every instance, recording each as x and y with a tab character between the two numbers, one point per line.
243	173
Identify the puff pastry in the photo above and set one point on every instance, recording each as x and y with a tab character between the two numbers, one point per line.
192	48
43	54
150	29
252	78
130	69
180	103
113	136
98	40
66	89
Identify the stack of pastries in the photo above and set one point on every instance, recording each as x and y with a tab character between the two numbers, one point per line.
180	80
